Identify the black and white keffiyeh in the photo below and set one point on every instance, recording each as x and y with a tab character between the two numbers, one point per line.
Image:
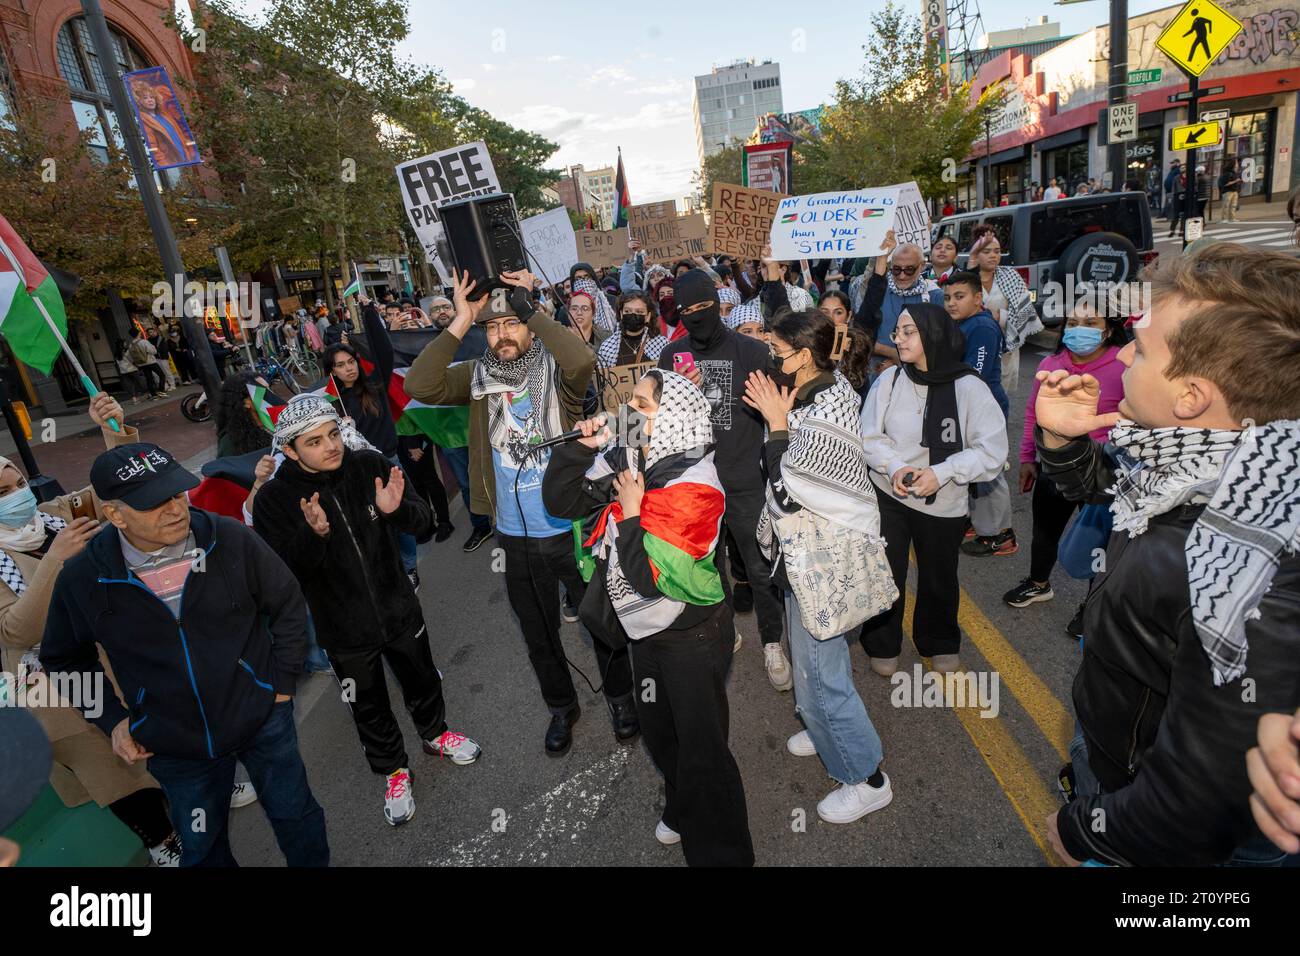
1022	317
751	311
493	378
9	571
651	347
1247	481
728	294
921	288
684	420
605	317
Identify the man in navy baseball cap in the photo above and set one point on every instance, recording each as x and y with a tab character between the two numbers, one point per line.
140	475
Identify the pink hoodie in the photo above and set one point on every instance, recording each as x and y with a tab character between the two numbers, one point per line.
1106	369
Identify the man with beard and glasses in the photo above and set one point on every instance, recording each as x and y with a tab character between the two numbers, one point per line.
527	386
1192	627
723	360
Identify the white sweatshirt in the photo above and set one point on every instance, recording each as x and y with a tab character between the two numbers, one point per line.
891	434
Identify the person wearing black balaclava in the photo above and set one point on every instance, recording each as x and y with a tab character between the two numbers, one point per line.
930	428
723	360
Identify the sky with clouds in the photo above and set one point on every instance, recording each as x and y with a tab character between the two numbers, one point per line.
594	77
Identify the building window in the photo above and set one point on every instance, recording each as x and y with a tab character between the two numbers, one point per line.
91	104
6	96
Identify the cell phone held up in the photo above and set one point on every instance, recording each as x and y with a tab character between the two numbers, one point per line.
684	363
82	506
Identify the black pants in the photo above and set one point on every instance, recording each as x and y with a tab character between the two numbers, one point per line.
741	522
937	542
411	662
1051	515
153	376
681	702
535	570
145	813
424	477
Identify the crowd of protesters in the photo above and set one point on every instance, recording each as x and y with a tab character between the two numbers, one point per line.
803	433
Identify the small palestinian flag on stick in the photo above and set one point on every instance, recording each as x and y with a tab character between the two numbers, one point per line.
266	409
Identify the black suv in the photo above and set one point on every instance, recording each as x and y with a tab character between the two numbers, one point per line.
1105	237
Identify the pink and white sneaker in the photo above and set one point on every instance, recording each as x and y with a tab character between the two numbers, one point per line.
399	799
458	748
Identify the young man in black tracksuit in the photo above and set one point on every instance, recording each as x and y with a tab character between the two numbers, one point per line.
205	629
1192	628
334	514
724	359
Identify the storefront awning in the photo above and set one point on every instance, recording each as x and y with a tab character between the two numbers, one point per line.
1068	138
1015	154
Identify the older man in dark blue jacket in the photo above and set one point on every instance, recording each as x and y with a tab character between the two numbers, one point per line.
205	629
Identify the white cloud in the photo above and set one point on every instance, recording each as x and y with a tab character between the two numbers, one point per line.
654	116
553	58
670	88
487	67
611	74
464	85
551	121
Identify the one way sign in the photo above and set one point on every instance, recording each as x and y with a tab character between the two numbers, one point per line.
1195	136
1121	122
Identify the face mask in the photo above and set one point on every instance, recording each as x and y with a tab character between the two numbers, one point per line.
633	322
776	372
17	508
1082	340
630	427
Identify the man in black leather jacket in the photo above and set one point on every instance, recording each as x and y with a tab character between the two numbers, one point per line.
1192	629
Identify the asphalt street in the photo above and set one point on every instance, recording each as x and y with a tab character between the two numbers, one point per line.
969	790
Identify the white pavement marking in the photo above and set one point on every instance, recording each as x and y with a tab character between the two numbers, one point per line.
1255	234
555	819
1287	243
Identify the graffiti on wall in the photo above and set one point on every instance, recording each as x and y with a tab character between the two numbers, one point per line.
1265	36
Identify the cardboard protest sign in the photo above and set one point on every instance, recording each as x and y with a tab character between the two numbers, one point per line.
552	249
740	220
665	236
618	382
828	225
912	218
602	248
433	181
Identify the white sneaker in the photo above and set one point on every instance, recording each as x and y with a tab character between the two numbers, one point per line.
242	795
457	748
399	799
739	640
666	834
167	853
801	745
852	801
778	668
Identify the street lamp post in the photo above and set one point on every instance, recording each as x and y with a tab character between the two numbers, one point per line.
1117	158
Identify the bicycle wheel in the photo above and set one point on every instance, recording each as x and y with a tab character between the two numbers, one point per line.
290	382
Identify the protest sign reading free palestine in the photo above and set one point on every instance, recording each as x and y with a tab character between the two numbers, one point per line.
834	225
430	182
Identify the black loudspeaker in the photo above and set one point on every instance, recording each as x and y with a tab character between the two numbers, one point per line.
483	233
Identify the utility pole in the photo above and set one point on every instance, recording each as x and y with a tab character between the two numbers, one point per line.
1189	167
1117	153
154	211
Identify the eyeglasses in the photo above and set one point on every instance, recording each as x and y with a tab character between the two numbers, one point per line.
903	270
507	325
440	308
898	335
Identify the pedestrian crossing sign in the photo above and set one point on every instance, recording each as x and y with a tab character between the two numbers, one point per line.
1197	35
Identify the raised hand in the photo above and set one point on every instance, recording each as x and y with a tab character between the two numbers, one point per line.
70	542
595	432
1066	407
773	403
103	407
315	515
389	496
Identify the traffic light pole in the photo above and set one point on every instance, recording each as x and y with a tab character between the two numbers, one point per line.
154	211
1189	198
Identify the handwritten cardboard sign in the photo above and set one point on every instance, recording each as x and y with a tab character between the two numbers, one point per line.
602	248
912	218
665	236
830	225
741	219
619	381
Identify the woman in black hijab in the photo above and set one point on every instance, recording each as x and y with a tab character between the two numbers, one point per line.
930	428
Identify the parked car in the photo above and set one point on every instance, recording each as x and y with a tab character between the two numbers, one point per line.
1106	237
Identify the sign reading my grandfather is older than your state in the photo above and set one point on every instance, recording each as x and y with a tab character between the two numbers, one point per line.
836	224
665	236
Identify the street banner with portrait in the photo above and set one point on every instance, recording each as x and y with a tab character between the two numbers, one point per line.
768	166
162	123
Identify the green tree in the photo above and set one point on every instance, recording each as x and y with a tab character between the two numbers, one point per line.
895	121
724	166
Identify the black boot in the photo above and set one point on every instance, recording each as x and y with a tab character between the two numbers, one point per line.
559	736
623	716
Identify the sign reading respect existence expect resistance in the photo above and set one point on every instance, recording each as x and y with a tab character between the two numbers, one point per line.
740	220
832	225
433	181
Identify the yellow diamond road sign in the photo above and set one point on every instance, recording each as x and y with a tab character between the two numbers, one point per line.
1196	136
1197	35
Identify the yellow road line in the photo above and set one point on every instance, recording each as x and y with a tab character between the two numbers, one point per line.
1006	761
1018	677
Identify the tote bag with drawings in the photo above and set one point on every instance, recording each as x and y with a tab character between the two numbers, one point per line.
839	576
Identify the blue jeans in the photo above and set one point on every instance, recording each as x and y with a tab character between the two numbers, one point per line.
406	543
827	700
316	659
275	767
458	458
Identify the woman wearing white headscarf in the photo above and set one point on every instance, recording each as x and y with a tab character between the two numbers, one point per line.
652	511
35	541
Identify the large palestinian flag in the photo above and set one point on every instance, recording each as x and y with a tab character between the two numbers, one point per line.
681	517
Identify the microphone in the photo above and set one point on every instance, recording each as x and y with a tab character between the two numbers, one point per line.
557	440
627	428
